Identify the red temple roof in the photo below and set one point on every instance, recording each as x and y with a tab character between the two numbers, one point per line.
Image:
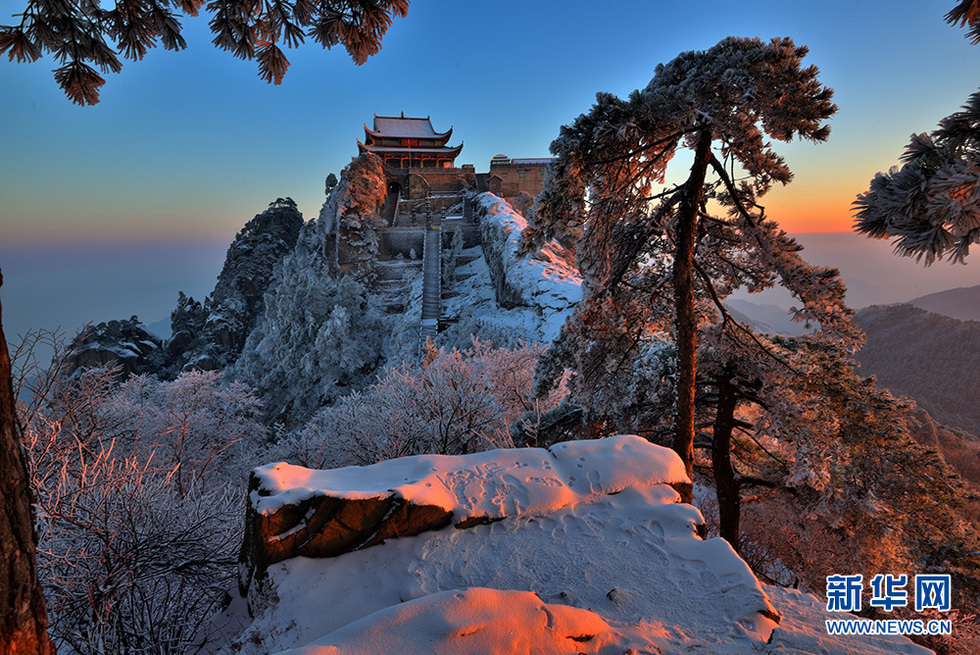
407	142
416	150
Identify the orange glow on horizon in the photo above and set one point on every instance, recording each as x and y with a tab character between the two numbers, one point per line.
813	208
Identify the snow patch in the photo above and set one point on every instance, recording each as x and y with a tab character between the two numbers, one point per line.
468	621
490	485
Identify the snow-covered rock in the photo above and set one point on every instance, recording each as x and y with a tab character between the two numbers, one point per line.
587	551
124	343
295	511
546	281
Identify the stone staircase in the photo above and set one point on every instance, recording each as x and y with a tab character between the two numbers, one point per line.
432	276
395	276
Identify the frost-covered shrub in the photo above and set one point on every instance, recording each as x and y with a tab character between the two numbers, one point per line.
137	508
128	564
195	425
452	402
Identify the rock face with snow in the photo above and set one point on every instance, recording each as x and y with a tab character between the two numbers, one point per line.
547	279
295	511
124	343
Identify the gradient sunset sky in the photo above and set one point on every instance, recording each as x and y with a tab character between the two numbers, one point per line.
192	144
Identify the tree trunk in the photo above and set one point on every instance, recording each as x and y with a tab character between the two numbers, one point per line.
23	616
726	486
685	322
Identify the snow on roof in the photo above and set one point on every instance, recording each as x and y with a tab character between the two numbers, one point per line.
493	484
539	161
500	162
402	126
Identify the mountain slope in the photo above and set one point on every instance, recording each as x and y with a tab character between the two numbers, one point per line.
927	357
962	303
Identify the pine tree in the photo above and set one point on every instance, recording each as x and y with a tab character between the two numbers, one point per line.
931	205
84	36
702	238
23	614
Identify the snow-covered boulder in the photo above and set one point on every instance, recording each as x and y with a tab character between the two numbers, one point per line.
296	511
125	343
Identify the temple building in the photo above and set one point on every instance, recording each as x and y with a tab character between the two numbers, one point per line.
510	177
405	142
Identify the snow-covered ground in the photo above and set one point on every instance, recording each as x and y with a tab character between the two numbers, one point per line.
590	552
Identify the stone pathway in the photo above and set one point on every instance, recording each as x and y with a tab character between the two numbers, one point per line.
432	276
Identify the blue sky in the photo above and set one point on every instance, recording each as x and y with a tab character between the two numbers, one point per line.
194	143
186	147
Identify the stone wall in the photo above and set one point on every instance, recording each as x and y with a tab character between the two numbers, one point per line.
507	180
415	183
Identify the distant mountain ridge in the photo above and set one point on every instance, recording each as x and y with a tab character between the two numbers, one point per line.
962	303
926	356
765	317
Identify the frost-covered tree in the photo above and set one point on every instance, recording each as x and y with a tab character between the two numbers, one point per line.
320	340
319	337
931	205
211	336
85	36
856	491
699	239
137	494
